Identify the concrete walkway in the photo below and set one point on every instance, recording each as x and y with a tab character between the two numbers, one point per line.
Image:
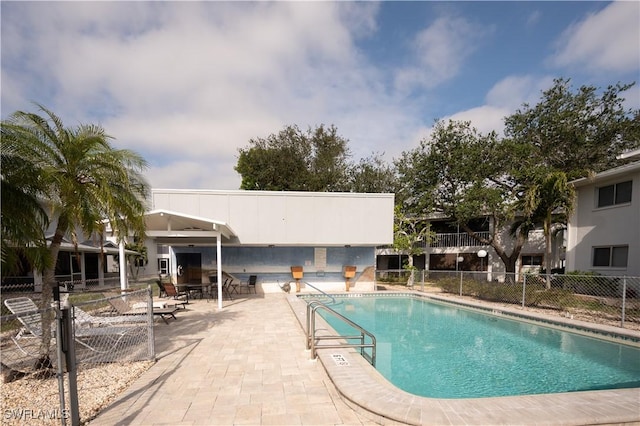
244	365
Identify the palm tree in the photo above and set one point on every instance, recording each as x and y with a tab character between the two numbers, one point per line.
82	181
549	201
23	217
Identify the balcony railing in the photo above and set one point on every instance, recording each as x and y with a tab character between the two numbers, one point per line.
461	239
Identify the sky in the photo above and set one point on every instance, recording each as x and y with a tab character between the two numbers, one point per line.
187	84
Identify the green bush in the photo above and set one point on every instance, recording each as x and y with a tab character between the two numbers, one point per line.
500	292
549	298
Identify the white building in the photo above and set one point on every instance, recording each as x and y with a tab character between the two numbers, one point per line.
193	234
604	230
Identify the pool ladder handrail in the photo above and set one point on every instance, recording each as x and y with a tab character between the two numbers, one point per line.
333	299
312	339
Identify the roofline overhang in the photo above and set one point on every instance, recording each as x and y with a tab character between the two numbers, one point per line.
607	174
217	227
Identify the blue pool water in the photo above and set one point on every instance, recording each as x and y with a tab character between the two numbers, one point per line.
441	351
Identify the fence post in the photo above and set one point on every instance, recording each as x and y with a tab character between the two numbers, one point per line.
70	360
624	300
59	351
150	337
461	283
524	286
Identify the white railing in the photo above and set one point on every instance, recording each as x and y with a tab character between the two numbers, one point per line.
457	239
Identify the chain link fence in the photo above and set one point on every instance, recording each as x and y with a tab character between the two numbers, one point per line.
28	285
101	332
611	300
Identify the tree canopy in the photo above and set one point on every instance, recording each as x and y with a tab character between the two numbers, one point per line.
523	177
577	133
315	160
293	160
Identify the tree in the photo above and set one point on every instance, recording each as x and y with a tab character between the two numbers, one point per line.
372	175
461	174
292	160
23	218
137	259
549	201
410	232
576	133
83	182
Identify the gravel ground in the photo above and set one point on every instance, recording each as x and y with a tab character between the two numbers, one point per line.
30	401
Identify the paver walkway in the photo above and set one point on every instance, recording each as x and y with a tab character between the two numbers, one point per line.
244	365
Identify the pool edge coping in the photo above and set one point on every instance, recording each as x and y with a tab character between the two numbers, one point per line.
366	390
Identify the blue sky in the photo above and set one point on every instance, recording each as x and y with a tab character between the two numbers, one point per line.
186	84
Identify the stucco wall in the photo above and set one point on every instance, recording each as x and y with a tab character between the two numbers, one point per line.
289	218
591	226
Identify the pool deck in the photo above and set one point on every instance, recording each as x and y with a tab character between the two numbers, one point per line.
247	364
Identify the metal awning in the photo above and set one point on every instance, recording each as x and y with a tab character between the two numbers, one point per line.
166	223
173	228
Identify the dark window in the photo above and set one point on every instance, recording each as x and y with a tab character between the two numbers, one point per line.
615	257
601	256
533	260
623	192
610	195
619	256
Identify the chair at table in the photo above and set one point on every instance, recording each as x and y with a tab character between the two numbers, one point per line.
227	289
249	285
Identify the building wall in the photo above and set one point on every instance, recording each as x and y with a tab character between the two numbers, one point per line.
289	218
591	226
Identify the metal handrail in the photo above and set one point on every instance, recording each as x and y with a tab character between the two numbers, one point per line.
333	299
312	339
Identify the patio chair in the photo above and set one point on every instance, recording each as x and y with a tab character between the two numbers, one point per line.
28	313
182	297
163	292
84	318
139	310
249	285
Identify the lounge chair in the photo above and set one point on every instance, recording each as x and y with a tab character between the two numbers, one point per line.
139	310
84	318
28	313
180	297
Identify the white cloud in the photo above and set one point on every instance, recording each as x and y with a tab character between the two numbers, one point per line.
194	175
502	100
533	19
607	41
513	91
440	50
187	84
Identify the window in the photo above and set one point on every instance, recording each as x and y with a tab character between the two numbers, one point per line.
163	266
614	256
531	260
619	193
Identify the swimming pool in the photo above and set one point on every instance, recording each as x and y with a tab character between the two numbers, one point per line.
441	351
